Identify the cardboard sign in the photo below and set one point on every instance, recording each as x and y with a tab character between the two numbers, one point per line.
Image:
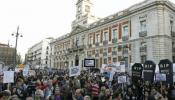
149	71
74	71
166	67
160	77
8	77
121	79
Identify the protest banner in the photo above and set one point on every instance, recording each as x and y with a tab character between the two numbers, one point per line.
136	73
74	71
149	71
121	79
166	67
8	77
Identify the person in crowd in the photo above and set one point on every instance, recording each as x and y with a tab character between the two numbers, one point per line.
87	97
78	94
95	89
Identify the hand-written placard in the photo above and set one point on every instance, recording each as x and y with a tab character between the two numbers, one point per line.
74	71
8	77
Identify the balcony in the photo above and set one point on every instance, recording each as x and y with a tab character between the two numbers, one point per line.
105	54
97	44
143	34
172	34
125	38
89	45
97	55
114	40
114	52
125	53
105	42
143	50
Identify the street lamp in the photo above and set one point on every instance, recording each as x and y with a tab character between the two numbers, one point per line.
16	43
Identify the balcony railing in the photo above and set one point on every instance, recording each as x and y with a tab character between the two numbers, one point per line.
105	54
97	44
143	34
114	40
105	42
114	52
125	38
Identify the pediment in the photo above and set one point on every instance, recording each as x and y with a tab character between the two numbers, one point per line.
78	29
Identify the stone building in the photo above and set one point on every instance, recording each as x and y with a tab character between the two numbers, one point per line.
144	31
39	54
7	54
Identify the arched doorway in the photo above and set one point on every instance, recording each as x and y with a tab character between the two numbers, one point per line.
76	60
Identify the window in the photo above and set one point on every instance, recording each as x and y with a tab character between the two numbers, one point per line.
46	62
90	40
105	36
97	38
143	26
114	33
105	61
77	42
85	22
114	48
87	8
143	59
125	31
114	59
79	8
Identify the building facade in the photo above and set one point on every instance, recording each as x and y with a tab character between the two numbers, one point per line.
39	54
145	31
7	54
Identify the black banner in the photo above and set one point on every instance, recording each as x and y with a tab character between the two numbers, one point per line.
136	73
89	62
166	67
149	71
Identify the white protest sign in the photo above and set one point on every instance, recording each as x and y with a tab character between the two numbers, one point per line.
32	73
26	70
160	77
8	77
121	79
74	71
173	72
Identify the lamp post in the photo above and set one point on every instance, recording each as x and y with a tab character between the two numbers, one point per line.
16	43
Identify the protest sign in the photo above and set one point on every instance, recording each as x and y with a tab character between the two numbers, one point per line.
31	73
136	72
26	70
149	71
166	67
8	77
74	71
160	77
121	79
89	62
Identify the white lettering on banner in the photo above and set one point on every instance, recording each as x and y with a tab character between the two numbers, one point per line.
164	65
8	77
148	66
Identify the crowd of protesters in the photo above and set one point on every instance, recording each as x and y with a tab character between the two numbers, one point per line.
87	86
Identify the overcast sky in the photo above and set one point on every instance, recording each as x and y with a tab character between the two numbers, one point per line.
38	19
